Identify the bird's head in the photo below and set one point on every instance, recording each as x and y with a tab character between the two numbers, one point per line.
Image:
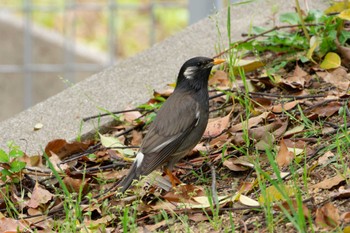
195	72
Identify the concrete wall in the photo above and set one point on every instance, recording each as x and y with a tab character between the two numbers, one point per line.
47	48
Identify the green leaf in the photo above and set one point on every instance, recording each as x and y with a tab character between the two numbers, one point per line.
115	142
331	61
4	174
17	166
4	157
290	17
16	153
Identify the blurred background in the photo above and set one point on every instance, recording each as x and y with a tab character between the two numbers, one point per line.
48	45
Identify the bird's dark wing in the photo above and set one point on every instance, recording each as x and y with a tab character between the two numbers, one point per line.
175	120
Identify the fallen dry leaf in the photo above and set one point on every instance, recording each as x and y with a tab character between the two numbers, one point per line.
284	156
136	138
338	77
325	158
10	225
342	193
198	217
39	196
293	208
184	194
131	116
246	187
165	92
63	149
247	201
247	124
326	110
74	185
297	80
217	125
329	183
230	164
345	217
220	78
295	130
56	163
258	132
279	108
267	141
327	216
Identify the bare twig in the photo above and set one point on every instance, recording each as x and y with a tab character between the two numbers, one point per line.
213	186
109	113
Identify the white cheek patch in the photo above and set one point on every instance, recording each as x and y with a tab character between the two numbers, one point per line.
139	158
190	71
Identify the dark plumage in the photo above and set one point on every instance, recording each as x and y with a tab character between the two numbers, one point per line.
180	122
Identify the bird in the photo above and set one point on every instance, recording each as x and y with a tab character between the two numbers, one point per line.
178	125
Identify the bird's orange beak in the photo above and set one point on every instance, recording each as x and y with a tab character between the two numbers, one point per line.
218	61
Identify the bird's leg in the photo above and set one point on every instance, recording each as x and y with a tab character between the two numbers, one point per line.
173	179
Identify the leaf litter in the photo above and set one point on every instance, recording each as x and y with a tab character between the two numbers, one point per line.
269	144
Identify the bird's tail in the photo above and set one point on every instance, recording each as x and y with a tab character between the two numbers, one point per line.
126	182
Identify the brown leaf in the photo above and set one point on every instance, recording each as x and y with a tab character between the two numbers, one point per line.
63	149
73	185
285	205
280	130
33	161
345	217
329	183
327	110
279	108
184	194
198	217
9	225
216	126
39	196
220	78
238	164
327	216
136	138
284	156
261	102
229	163
338	77
297	80
56	163
253	121
325	158
342	193
246	187
131	116
165	92
258	132
219	140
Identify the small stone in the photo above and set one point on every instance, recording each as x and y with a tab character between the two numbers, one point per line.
38	126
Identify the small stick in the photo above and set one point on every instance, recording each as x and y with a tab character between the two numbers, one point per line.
213	186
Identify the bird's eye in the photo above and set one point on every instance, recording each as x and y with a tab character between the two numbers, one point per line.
199	64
